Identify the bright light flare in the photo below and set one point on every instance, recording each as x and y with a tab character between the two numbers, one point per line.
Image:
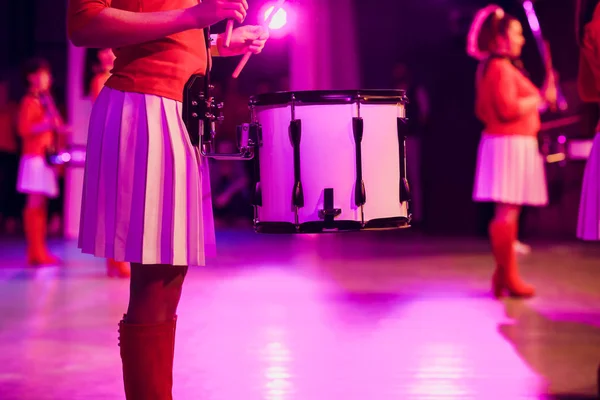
279	19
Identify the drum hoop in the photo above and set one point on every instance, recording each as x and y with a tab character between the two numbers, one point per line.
377	96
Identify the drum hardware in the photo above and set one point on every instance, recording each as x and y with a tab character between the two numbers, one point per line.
402	127
377	161
329	212
360	194
561	149
296	136
200	118
557	147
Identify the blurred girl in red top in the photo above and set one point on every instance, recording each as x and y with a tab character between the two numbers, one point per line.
146	193
37	123
510	169
105	63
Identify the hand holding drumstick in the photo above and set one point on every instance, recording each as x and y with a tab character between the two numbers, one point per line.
549	90
265	27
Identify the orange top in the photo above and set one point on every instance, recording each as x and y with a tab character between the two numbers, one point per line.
588	81
31	112
8	137
160	67
498	93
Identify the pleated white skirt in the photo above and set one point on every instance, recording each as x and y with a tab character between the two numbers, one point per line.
588	225
146	193
36	177
510	170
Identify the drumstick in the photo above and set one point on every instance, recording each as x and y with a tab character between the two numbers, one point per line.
228	32
265	25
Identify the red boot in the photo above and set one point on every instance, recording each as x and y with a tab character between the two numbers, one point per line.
506	276
34	224
117	269
147	352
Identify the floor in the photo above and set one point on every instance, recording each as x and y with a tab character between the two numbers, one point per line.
352	316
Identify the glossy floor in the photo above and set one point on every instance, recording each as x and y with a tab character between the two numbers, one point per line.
361	316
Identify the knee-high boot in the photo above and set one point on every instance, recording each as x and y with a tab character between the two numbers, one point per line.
35	226
506	276
147	352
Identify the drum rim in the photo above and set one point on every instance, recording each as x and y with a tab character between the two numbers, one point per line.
391	96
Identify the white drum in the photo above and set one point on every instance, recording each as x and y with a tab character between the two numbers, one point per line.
311	158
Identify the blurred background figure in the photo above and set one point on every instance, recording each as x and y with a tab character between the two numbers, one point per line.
105	59
39	125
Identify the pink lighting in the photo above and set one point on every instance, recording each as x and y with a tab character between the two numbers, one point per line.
279	20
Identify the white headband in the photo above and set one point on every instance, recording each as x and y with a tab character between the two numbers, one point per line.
473	36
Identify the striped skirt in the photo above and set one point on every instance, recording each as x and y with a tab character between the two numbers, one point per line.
588	226
146	193
510	170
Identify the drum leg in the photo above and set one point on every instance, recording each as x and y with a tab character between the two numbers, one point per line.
360	195
297	192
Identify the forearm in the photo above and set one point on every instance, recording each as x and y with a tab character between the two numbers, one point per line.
112	28
529	104
35	129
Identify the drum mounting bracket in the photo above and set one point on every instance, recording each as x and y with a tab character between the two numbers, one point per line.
328	213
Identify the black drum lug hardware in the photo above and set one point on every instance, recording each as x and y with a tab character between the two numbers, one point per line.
328	213
295	132
201	113
297	192
360	194
404	193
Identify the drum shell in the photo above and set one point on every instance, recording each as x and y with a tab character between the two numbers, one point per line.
328	160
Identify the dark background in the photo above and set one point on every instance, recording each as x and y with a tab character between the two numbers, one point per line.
429	35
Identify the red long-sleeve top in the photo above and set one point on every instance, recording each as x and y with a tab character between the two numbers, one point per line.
497	97
159	67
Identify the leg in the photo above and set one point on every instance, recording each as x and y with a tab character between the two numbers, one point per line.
520	247
35	223
147	331
503	233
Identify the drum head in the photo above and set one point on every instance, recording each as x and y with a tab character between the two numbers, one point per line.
330	97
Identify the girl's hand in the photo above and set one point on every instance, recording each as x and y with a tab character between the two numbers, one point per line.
209	12
249	38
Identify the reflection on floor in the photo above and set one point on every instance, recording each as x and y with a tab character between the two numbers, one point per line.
368	315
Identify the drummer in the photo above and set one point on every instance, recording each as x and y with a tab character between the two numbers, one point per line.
510	169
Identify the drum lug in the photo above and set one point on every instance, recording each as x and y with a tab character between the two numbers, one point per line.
404	193
297	191
254	141
328	213
360	195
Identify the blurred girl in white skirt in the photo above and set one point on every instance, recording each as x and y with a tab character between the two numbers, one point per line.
510	168
38	122
146	193
588	37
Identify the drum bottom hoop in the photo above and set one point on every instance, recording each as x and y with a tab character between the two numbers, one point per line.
335	226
